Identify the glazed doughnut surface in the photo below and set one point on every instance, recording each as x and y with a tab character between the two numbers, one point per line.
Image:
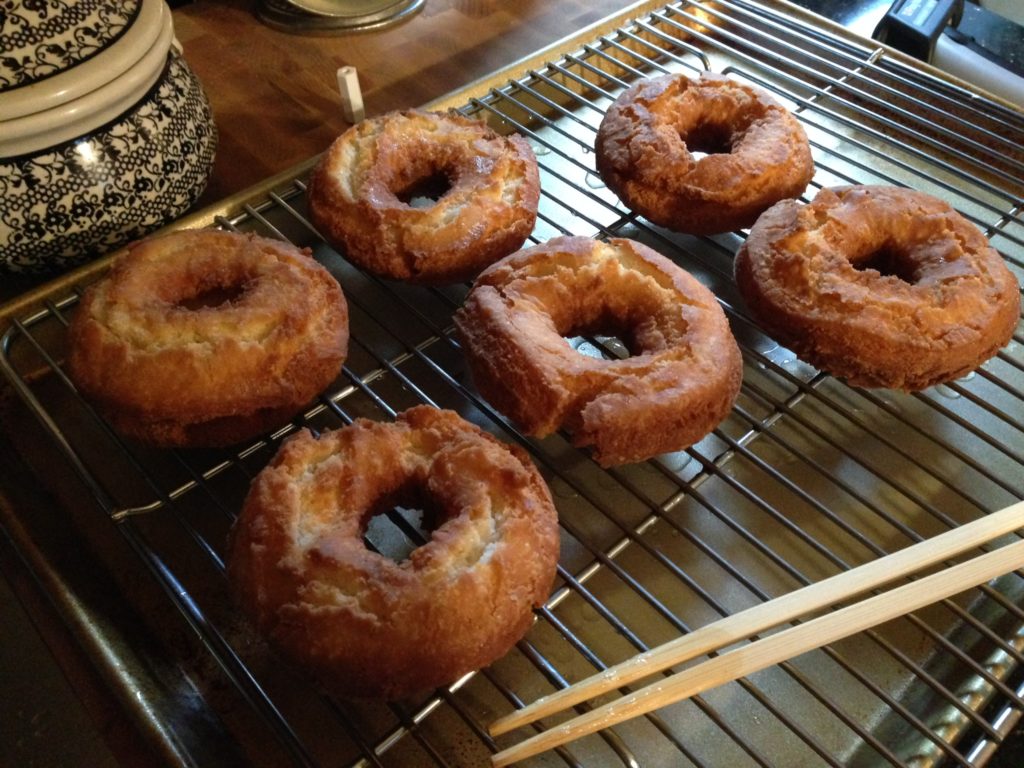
757	152
205	337
882	286
364	624
359	195
680	382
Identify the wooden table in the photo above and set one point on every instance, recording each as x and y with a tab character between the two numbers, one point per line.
274	94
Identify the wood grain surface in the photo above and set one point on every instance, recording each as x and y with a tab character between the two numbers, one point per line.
274	94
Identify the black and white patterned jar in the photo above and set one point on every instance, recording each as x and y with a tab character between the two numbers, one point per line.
86	174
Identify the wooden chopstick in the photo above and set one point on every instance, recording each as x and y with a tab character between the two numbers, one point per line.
751	621
785	644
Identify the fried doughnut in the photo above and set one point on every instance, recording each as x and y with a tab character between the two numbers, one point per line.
757	152
359	195
881	286
206	338
679	384
365	625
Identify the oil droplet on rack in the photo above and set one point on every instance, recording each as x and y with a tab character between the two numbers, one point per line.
562	490
541	149
594	181
945	391
891	405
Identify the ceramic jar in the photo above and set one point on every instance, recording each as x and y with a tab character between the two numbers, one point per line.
105	132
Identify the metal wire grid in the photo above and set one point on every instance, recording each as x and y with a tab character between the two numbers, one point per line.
805	478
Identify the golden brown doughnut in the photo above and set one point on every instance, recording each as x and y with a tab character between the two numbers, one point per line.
204	337
757	152
882	286
358	195
681	381
364	624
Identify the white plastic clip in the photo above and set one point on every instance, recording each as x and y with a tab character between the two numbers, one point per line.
351	95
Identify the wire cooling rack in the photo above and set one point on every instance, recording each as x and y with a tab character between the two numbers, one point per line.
805	478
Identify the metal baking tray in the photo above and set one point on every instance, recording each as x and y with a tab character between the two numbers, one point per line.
806	477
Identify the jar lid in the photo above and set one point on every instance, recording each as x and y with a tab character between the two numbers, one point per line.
41	126
60	50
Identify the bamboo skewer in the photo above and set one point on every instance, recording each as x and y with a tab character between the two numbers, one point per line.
783	645
775	649
751	621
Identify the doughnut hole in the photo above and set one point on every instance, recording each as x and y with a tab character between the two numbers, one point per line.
397	525
212	297
418	514
615	309
207	287
600	346
889	261
426	191
715	127
628	316
708	138
426	179
611	337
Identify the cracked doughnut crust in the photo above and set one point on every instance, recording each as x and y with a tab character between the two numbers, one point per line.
488	210
205	338
882	286
364	624
757	152
680	382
